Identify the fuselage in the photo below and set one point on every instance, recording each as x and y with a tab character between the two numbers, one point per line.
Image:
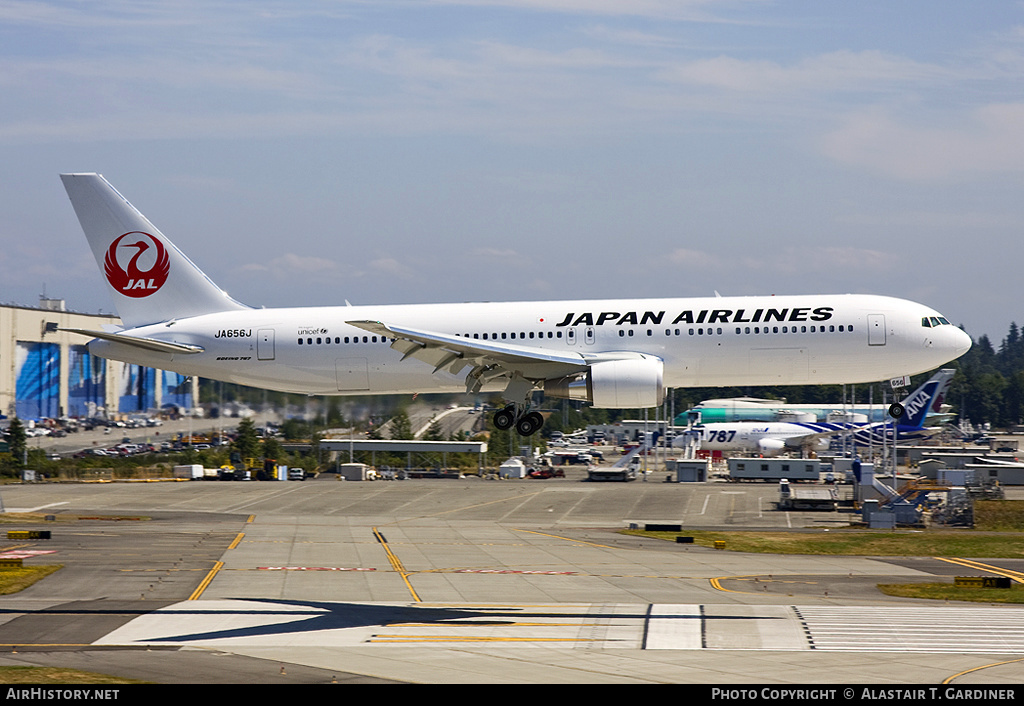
774	437
704	342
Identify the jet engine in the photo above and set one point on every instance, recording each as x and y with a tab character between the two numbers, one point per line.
630	383
770	447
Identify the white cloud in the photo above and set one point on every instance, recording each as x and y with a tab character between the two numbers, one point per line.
990	140
834	71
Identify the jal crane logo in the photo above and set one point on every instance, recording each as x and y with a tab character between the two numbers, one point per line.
132	281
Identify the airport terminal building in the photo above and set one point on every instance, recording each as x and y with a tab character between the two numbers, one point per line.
49	373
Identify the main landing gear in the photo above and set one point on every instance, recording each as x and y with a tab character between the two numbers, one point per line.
526	423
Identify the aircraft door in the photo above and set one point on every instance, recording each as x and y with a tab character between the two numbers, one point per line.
876	329
570	336
265	344
588	335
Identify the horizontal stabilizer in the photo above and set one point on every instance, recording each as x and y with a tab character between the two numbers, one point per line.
149	344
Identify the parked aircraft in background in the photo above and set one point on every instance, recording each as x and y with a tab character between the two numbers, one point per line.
750	409
769	438
619	353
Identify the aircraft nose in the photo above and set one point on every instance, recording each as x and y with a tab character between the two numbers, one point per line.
961	342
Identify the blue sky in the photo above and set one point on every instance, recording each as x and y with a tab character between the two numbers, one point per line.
394	151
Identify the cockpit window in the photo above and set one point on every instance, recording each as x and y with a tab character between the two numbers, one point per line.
933	321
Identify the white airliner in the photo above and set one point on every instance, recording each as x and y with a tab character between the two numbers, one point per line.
770	438
619	353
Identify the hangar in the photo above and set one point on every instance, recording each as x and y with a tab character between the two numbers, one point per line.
49	373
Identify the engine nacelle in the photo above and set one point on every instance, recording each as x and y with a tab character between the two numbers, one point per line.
631	383
770	447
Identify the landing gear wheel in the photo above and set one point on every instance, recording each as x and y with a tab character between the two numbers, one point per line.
504	419
529	424
896	410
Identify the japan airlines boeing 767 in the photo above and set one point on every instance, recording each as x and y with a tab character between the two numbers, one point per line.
618	353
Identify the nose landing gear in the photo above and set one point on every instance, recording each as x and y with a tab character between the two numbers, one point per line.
897	410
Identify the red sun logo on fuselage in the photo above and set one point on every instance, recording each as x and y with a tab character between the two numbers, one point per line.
131	281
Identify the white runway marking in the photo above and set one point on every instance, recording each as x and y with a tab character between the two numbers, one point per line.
226	623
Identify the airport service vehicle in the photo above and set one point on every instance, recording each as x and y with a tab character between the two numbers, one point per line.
770	438
618	353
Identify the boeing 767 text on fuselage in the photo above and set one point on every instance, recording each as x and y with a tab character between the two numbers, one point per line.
616	353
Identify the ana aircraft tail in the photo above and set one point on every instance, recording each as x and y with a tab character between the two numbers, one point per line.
929	397
911	426
149	278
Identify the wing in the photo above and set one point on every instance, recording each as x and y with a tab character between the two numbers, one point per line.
525	366
817	431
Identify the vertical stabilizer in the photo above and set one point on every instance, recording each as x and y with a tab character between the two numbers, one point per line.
149	279
927	398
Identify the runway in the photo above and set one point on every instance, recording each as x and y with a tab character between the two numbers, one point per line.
474	582
224	624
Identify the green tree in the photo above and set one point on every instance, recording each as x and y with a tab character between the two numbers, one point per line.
293	429
17	441
272	449
247	444
433	432
401	427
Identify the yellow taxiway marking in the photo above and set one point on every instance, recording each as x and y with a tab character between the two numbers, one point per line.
971	564
396	564
471	638
237	541
566	539
949	680
206	581
488	624
715	583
